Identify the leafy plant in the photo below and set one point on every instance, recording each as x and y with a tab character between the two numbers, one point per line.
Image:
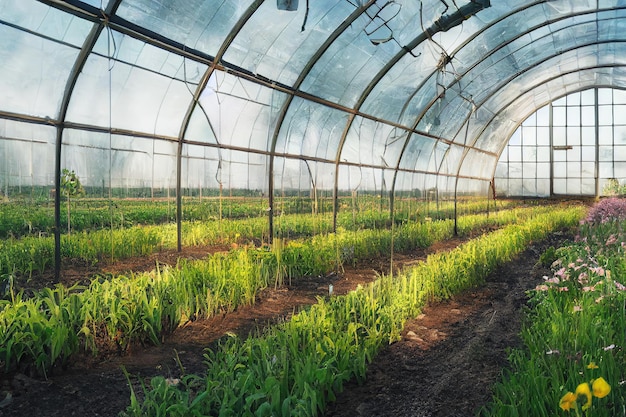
297	367
573	332
71	187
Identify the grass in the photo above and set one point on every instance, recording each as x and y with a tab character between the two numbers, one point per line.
296	367
574	331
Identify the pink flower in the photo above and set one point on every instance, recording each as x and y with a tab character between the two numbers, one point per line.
578	308
561	273
619	286
542	287
611	240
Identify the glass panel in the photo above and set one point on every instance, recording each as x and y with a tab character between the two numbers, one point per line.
301	176
26	167
543	170
395	97
46	21
101	4
605	115
372	143
136	90
477	164
201	170
240	113
418	152
311	129
34	73
278	44
199	24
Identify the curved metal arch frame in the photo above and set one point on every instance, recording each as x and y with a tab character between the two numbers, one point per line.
109	18
406	49
530	30
79	64
196	102
285	108
546	102
493	51
504	83
537	84
426	108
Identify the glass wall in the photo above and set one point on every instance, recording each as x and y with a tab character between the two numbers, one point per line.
574	146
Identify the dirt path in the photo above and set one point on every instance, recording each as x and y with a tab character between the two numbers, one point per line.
447	353
451	354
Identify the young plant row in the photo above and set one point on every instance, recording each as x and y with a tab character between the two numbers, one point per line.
574	333
36	254
47	328
35	219
296	368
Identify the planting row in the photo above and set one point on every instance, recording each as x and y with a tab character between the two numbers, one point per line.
574	333
47	328
36	254
297	367
35	219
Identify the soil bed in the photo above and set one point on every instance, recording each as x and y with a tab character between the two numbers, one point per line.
444	365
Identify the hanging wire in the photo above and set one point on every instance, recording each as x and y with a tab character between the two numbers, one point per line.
111	52
306	17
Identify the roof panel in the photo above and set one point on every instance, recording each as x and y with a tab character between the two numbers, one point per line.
198	24
373	143
33	73
135	88
239	111
312	130
45	21
278	44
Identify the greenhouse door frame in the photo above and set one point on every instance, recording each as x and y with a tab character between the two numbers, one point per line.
579	148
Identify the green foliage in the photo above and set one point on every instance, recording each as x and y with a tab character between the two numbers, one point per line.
573	333
36	254
297	367
115	312
548	257
70	184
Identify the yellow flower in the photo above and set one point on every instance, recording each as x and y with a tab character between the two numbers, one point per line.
600	387
592	365
568	401
583	392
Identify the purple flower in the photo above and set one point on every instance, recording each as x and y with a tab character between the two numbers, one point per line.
608	209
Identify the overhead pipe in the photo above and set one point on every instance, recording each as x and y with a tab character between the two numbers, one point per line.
448	21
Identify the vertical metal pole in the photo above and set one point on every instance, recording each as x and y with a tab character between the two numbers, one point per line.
551	143
57	205
456	186
179	199
597	143
270	190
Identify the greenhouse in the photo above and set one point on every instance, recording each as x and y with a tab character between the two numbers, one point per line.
333	175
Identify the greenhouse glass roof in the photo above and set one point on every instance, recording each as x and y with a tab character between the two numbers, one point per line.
267	95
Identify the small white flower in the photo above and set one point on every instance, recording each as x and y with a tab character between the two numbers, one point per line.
172	382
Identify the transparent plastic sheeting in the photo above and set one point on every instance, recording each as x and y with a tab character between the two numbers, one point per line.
336	94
